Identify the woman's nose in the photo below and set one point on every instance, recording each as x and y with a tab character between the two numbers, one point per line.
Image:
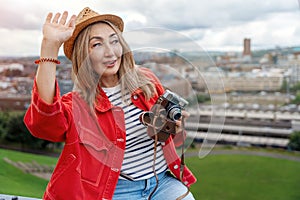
108	50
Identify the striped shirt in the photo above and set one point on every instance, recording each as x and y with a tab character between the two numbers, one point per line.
139	150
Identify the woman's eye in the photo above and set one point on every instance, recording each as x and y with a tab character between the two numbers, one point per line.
115	41
96	45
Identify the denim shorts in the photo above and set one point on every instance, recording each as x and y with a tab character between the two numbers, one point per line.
169	188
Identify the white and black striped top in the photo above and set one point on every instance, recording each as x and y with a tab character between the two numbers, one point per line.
139	151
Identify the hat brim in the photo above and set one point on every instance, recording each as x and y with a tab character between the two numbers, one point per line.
69	44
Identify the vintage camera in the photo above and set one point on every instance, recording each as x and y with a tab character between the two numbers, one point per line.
161	119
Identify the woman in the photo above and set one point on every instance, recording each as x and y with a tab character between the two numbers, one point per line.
107	153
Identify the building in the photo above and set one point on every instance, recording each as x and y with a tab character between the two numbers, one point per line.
247	47
247	50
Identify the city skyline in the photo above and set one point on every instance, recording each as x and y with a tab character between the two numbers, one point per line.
214	26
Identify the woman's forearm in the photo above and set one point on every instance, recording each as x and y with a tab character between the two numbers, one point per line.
46	72
56	31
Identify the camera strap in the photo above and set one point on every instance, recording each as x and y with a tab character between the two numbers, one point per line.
182	163
155	151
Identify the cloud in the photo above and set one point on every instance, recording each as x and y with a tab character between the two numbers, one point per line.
19	42
194	14
173	14
274	30
160	39
19	15
213	24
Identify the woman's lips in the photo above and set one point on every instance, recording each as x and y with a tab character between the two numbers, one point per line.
110	63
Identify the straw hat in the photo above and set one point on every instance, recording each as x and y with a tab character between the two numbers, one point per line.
86	17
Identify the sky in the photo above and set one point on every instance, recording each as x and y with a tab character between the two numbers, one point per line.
212	25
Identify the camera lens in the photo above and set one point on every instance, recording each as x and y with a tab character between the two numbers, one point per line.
174	113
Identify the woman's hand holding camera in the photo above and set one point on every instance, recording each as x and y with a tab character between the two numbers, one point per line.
184	116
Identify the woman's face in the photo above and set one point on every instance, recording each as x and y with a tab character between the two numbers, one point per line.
105	50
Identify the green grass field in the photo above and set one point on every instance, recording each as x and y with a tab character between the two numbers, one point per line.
236	177
14	182
226	177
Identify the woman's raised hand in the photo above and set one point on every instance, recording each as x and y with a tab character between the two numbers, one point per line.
56	29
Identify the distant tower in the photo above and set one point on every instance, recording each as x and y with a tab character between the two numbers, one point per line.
247	47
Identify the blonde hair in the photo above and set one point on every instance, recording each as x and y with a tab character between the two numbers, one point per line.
86	80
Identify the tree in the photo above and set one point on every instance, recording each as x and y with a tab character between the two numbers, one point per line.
17	132
201	98
297	99
296	87
4	116
294	143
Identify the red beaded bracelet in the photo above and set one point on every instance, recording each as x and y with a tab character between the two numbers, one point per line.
38	61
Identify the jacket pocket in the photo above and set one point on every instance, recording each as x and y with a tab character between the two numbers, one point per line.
93	162
94	155
62	167
65	182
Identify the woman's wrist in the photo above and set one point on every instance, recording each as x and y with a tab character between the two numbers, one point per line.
50	48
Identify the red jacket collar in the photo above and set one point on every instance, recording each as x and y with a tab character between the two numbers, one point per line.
103	103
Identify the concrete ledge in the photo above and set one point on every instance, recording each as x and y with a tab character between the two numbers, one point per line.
14	197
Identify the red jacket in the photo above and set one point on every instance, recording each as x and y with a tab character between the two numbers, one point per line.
90	162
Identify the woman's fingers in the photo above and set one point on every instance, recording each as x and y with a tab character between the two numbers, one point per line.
185	115
56	17
49	17
63	18
71	22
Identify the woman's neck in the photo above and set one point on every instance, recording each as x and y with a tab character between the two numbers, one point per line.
110	81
